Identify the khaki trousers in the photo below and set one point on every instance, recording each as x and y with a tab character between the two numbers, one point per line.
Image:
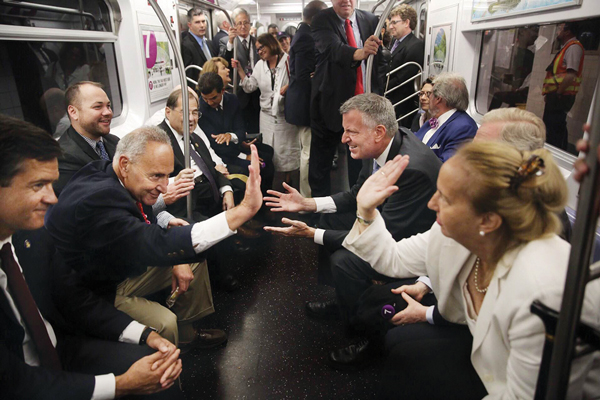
173	324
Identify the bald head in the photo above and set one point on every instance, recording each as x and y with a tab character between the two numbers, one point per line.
311	9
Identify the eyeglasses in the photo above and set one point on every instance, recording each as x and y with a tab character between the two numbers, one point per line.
424	93
242	23
259	48
193	113
395	22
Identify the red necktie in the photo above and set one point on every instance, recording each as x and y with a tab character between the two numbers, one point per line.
28	310
142	211
352	42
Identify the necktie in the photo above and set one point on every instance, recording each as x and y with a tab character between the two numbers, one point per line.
434	123
206	171
141	207
206	50
396	43
375	167
101	150
28	310
359	89
245	44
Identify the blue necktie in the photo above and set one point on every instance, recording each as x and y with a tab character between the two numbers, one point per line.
396	43
375	167
101	150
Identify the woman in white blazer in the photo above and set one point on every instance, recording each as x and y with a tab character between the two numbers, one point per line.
492	251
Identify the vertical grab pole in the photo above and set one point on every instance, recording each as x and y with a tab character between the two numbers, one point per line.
578	272
185	101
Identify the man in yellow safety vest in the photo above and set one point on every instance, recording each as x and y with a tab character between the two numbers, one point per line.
563	78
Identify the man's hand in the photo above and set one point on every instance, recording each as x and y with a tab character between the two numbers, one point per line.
283	90
159	343
232	34
292	201
246	144
252	198
228	202
150	374
222	138
370	47
177	222
413	313
178	189
222	169
186	173
295	229
182	276
581	168
417	290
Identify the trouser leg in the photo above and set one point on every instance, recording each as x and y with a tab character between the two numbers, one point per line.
322	148
305	139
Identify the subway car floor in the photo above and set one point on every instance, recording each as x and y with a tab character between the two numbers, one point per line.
274	350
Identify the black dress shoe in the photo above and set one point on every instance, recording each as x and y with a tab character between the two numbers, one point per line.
354	357
228	284
327	310
205	339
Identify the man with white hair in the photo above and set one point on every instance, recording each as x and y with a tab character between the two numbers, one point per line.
224	26
450	125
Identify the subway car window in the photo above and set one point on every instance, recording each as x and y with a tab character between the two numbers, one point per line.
89	15
549	70
35	75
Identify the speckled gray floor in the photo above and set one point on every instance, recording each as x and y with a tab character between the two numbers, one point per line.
274	350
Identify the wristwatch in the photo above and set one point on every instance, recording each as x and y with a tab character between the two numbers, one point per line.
363	221
145	333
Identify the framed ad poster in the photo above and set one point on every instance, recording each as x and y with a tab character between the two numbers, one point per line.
159	64
439	57
492	9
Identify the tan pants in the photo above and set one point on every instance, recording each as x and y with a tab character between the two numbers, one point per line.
174	324
304	134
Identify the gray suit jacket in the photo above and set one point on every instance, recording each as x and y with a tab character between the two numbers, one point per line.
243	57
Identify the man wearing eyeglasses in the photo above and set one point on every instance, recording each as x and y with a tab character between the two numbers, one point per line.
247	56
406	48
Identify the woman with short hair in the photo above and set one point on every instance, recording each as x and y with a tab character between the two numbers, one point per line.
219	66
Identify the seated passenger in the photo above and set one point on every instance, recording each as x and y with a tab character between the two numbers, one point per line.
492	251
223	123
219	66
105	229
450	125
423	115
42	355
372	134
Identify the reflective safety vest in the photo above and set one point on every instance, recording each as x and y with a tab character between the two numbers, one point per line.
556	72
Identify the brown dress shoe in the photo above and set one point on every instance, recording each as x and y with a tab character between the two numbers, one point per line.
205	339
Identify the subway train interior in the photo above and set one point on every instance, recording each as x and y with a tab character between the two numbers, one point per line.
502	48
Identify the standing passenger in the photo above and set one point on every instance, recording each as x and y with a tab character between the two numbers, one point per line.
195	48
224	26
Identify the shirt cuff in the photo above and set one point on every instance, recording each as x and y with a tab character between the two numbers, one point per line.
234	138
163	218
225	189
319	234
132	333
426	281
325	205
242	156
210	232
229	46
105	387
429	314
160	204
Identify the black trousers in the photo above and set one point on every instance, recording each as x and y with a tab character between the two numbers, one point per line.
430	362
97	357
251	113
555	118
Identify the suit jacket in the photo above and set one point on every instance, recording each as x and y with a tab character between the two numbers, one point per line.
68	306
101	233
216	41
459	128
410	49
405	212
193	55
334	81
507	338
77	153
230	119
243	57
302	64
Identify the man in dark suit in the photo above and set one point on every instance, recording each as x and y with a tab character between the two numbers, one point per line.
195	48
223	124
105	229
57	339
223	25
371	132
450	126
297	97
344	40
247	56
407	47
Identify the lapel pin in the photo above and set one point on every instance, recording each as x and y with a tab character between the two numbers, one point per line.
27	244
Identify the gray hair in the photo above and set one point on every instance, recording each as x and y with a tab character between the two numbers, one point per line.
239	11
194	12
521	129
453	89
134	144
220	17
375	110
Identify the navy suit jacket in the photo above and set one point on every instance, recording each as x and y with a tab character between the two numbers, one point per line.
101	233
302	64
68	306
459	128
334	81
77	153
193	55
230	119
405	212
216	41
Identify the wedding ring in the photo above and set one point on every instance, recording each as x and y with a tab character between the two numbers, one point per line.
382	173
